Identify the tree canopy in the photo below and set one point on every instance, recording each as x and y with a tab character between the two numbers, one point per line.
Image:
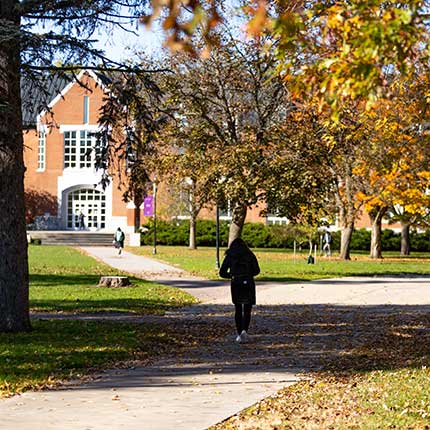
336	60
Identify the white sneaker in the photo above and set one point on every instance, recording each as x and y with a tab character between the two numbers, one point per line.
238	338
244	336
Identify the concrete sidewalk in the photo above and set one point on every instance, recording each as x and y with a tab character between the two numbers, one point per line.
384	290
163	397
148	268
132	263
207	385
356	291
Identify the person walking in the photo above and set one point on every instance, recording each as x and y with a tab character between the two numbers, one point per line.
118	240
241	265
81	219
327	240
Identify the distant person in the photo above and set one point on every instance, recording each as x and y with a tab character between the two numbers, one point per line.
240	265
327	240
81	219
118	240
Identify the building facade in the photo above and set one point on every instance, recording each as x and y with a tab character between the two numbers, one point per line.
60	160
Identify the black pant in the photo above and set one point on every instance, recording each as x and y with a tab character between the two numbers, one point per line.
242	317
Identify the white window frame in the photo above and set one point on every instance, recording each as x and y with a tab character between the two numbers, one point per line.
277	220
76	143
41	151
86	110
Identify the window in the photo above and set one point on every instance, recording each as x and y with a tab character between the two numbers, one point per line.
78	149
273	216
225	211
273	220
41	152
86	109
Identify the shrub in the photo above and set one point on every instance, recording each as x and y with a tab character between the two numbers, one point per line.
168	233
280	236
360	240
206	233
177	233
390	240
259	235
420	242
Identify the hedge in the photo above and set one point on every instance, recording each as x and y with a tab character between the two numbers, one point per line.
258	235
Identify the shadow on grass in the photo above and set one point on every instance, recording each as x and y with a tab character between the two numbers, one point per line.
61	280
80	293
102	305
61	349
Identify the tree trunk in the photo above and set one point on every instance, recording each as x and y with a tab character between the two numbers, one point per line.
114	281
193	231
345	241
376	216
238	219
346	206
405	245
14	307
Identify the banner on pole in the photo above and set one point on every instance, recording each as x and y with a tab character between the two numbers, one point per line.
148	206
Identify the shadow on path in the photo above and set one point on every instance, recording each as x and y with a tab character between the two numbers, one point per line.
294	337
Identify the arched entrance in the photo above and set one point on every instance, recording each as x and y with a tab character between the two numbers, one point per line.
89	202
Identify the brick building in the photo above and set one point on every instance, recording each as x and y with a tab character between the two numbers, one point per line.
59	161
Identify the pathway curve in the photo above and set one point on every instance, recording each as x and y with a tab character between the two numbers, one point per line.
298	327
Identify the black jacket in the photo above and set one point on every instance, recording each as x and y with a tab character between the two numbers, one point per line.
241	265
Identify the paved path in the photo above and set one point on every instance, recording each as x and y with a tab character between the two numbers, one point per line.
148	268
386	290
297	327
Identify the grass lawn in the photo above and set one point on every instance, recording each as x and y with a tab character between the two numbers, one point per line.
280	265
375	371
64	349
380	400
64	280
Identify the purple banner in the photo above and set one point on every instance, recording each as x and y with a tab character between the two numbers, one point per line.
148	206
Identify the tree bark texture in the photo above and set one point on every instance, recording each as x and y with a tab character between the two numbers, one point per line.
14	307
376	216
405	244
114	281
237	222
344	196
345	241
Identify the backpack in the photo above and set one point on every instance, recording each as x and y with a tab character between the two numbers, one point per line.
240	266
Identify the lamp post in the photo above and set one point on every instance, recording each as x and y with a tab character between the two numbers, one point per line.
154	191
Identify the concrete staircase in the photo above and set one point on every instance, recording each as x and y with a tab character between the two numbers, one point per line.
72	238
